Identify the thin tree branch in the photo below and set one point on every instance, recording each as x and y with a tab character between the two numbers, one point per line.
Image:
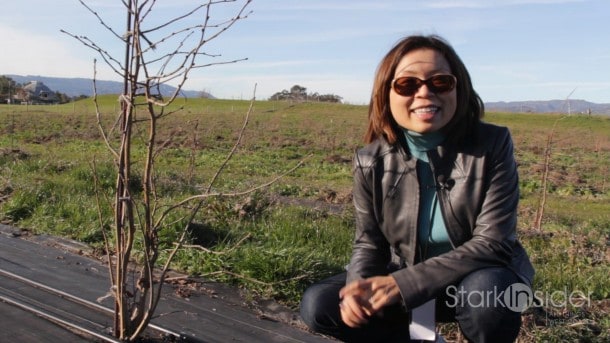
102	22
235	194
99	114
237	142
202	248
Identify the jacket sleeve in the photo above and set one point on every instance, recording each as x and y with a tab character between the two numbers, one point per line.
371	250
489	243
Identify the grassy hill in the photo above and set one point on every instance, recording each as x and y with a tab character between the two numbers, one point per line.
277	241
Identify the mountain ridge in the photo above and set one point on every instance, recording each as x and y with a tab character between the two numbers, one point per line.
74	87
78	86
568	106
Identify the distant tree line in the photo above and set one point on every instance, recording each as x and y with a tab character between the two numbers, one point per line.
299	93
13	92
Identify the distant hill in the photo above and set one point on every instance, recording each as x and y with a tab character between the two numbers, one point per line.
551	106
82	86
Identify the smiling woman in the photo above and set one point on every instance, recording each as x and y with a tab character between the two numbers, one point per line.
413	108
435	193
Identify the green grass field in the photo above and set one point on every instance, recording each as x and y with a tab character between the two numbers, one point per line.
275	242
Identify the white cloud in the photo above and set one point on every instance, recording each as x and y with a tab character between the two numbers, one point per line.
28	53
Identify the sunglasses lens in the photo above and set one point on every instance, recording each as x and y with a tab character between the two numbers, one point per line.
408	85
441	83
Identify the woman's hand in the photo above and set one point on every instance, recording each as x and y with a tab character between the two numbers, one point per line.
363	298
355	311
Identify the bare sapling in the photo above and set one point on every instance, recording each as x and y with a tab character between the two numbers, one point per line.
545	178
150	61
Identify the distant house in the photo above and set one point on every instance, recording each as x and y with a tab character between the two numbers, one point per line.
36	92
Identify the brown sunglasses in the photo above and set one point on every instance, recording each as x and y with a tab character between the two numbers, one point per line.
408	85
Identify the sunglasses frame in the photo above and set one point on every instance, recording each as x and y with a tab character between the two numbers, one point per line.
428	82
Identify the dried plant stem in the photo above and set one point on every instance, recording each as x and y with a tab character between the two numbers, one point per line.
545	178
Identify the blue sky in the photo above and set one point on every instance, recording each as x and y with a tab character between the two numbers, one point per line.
514	49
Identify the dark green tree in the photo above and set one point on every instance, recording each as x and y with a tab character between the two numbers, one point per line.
7	88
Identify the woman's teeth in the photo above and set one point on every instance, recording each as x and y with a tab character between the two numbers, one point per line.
425	110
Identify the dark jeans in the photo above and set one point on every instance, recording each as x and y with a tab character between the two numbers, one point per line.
471	303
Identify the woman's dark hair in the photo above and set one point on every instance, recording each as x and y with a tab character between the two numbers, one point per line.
469	109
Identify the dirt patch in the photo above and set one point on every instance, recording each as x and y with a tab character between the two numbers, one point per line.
325	205
15	154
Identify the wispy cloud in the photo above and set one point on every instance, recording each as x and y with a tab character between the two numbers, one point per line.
40	54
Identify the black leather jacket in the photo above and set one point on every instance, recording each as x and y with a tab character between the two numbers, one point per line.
477	187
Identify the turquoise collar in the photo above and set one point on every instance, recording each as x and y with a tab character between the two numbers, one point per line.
419	143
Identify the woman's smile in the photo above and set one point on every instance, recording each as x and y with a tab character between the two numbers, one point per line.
423	111
426	113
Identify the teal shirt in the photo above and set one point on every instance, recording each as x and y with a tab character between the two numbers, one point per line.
432	236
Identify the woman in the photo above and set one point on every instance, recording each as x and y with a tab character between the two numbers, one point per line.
435	196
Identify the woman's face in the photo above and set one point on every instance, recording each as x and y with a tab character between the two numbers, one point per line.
424	111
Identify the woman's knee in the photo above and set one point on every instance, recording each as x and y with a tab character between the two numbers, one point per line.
489	324
311	306
320	303
482	312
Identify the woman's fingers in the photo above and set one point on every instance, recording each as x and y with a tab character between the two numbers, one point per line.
353	313
385	292
375	292
355	288
363	298
381	299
